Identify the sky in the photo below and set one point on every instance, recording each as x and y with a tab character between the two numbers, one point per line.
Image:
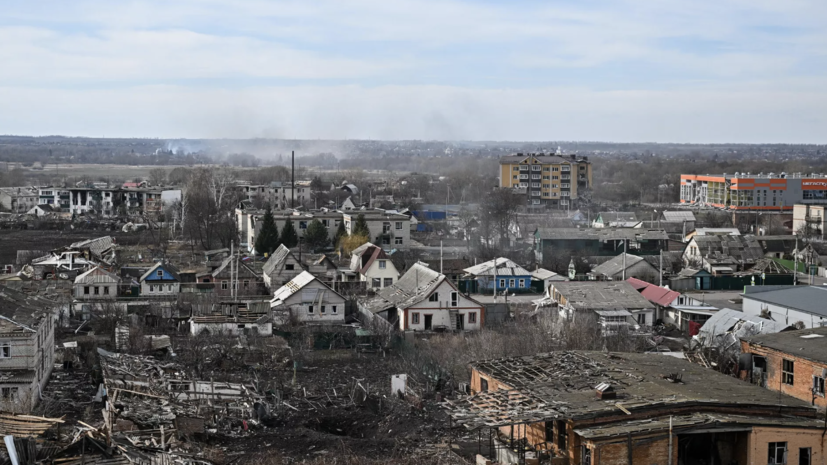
702	71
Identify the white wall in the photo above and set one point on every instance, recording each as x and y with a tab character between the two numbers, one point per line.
230	328
376	272
782	314
440	311
299	305
167	288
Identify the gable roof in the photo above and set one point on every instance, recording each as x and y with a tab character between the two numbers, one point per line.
721	248
239	265
276	260
614	265
601	295
655	294
414	286
295	285
680	215
166	267
371	255
504	267
97	275
98	246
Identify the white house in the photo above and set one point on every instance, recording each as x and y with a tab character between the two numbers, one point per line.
374	266
261	325
281	268
161	280
426	300
96	284
306	299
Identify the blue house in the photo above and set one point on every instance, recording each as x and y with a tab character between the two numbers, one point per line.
162	280
501	273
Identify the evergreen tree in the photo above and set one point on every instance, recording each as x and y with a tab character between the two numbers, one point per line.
360	228
316	235
268	236
289	237
340	233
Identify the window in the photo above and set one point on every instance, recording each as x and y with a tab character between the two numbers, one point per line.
97	290
516	168
5	350
326	223
383	264
535	168
818	386
483	384
787	372
388	282
502	283
170	287
398	225
106	290
397	240
521	282
289	267
472	317
310	309
455	299
86	290
151	288
777	453
511	284
324	309
224	285
434	297
160	273
805	455
302	224
415	318
246	283
9	393
376	282
586	456
334	308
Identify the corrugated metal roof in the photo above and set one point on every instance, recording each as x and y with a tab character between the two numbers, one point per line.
678	216
504	267
97	275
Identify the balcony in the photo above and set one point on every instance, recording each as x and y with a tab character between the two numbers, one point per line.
523	167
565	168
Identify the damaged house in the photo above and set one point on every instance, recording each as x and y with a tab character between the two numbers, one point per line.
616	303
426	300
721	254
281	268
306	299
27	348
596	408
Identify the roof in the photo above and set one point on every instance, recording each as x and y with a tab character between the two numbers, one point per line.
166	266
681	215
542	158
602	234
97	275
414	286
373	253
276	260
784	244
46	207
20	311
617	217
97	246
561	385
655	294
717	231
726	325
806	343
543	274
807	299
728	249
601	295
504	267
614	265
294	286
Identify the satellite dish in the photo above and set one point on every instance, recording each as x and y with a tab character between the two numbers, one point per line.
63	276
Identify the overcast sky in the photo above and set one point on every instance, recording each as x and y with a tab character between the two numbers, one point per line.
622	70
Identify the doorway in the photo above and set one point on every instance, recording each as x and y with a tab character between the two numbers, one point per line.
460	322
759	370
429	322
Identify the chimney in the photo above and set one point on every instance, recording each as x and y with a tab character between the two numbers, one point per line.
605	391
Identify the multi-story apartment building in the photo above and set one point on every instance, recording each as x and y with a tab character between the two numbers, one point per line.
278	194
387	230
54	196
811	217
105	201
748	191
555	181
18	199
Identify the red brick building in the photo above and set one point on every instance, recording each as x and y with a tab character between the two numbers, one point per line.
793	362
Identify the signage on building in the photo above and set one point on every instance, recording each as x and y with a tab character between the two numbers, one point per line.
816	185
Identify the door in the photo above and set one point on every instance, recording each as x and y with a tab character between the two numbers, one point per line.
429	320
759	371
460	322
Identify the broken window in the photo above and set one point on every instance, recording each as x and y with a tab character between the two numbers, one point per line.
5	350
334	308
562	434
9	393
805	455
455	299
787	372
289	267
472	317
376	282
246	283
818	386
777	453
97	290
414	318
86	290
309	309
586	456
434	297
483	384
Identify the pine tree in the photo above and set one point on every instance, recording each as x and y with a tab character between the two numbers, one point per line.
289	237
316	235
341	232
268	236
360	228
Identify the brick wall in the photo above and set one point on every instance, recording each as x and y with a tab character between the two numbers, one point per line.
803	373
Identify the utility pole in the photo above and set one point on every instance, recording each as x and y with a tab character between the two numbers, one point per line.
232	267
624	259
292	178
795	267
660	267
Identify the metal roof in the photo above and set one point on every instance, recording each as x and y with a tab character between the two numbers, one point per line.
97	275
602	234
295	285
681	215
614	265
504	267
601	295
807	299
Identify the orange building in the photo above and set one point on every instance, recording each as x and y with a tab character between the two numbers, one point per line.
746	191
